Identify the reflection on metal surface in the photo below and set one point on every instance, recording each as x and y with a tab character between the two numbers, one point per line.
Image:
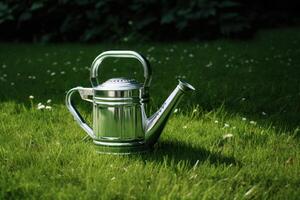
120	123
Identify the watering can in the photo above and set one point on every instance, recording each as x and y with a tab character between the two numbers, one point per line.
120	109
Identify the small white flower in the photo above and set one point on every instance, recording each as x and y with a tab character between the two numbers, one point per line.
33	77
12	83
219	48
244	118
114	69
49	101
151	49
191	55
113	178
195	110
216	121
209	64
4	66
176	110
52	74
171	50
263	113
18	74
228	135
62	72
226	125
243	99
31	97
184	127
48	107
41	106
4	75
227	65
167	58
252	122
74	69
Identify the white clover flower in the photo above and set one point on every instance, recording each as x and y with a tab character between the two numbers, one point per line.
33	77
74	69
31	97
263	113
4	66
48	107
49	101
195	110
176	110
191	55
184	127
243	99
62	72
167	58
39	104
252	122
216	121
52	74
12	83
228	135
244	118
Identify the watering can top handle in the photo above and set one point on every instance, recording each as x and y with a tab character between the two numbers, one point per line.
120	54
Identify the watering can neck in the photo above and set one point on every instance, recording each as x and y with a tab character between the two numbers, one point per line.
157	122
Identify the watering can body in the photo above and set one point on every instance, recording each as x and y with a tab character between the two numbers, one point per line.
120	109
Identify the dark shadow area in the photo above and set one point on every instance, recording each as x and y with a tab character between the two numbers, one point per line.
170	152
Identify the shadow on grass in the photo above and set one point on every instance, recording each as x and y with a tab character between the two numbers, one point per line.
172	153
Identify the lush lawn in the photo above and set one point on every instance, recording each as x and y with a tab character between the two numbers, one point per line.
236	137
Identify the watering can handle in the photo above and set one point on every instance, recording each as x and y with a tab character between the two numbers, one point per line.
120	54
85	93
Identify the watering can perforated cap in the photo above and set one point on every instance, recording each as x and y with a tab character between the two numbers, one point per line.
120	109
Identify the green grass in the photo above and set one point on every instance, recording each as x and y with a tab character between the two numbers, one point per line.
42	154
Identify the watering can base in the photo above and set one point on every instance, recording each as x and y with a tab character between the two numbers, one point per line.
122	150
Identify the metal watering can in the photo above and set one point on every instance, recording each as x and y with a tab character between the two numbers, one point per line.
120	108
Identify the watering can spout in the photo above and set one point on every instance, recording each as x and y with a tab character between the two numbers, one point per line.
156	123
